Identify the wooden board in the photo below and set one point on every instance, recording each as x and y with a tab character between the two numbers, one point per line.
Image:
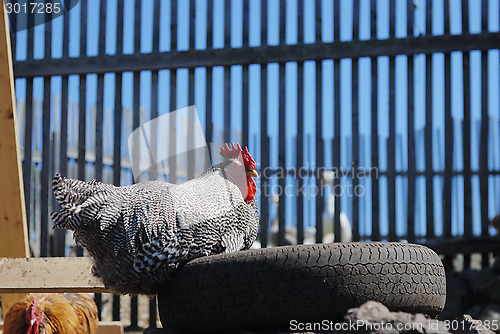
51	274
13	228
111	327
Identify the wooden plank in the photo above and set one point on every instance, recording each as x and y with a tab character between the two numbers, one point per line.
153	311
466	131
264	139
429	180
227	73
411	133
45	192
300	128
245	83
337	123
49	274
190	130
227	104
483	147
245	109
99	128
449	133
320	199
374	129
28	135
466	146
355	127
172	160
191	162
153	172
282	131
391	142
208	83
255	55
282	156
110	327
13	227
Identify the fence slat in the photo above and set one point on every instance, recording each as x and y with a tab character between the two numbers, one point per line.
46	142
391	142
208	83
483	147
191	154
449	133
319	134
136	119
191	93
117	160
466	129
374	129
227	104
27	161
337	123
98	128
300	129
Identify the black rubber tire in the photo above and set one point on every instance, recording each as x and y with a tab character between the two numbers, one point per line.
267	288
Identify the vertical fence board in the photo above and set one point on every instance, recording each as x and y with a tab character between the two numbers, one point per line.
172	161
282	131
227	104
355	127
46	140
227	73
337	124
190	129
449	133
391	142
319	133
264	141
28	138
483	147
300	129
374	128
117	159
466	130
208	83
154	131
99	129
245	81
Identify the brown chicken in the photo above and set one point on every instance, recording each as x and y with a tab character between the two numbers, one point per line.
52	313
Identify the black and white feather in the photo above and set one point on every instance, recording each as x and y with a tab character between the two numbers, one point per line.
139	234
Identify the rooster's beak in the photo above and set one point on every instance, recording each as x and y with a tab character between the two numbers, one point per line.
252	173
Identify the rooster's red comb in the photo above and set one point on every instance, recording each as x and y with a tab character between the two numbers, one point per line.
234	151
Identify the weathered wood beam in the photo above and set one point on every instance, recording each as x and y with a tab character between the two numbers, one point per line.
50	274
13	227
256	55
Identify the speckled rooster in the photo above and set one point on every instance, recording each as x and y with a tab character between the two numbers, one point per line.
139	234
52	313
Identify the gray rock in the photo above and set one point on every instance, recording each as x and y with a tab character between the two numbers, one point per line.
373	317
